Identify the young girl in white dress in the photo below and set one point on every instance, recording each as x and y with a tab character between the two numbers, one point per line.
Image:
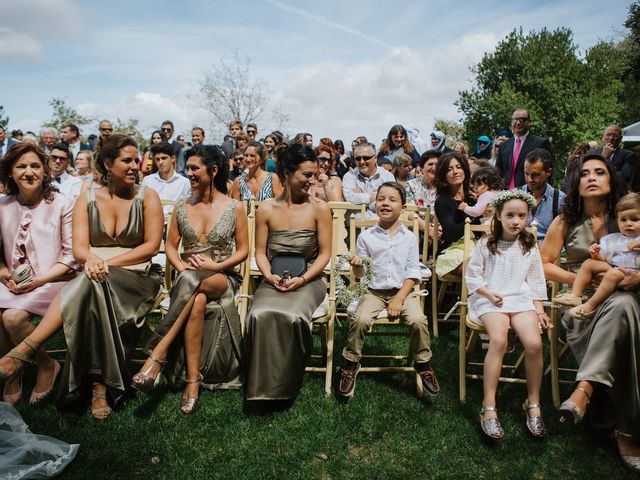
507	287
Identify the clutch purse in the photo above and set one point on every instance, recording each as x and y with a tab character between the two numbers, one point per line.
107	253
22	274
288	264
206	251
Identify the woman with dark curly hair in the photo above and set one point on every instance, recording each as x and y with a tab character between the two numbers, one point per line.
36	259
607	346
397	141
278	327
452	183
200	334
117	228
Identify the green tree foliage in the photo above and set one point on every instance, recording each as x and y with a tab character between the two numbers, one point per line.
4	120
629	48
452	129
570	98
63	115
131	127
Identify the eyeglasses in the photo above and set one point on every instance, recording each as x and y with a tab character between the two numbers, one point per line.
363	159
106	129
520	119
251	132
324	160
167	129
56	158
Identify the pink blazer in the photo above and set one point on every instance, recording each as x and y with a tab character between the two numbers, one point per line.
42	233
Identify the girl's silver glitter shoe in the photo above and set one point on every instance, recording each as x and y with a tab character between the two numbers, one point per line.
491	426
535	425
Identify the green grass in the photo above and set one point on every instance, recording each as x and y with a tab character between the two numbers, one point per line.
385	431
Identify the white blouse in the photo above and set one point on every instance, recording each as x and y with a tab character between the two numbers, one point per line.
517	276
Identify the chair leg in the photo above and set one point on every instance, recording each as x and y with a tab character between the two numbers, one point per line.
329	355
553	362
462	355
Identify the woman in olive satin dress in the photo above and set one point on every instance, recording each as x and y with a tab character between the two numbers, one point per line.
278	327
200	336
102	311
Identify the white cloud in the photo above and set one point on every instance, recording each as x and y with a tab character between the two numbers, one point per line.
404	86
19	47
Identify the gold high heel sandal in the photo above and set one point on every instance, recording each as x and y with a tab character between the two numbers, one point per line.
143	381
99	413
189	404
570	410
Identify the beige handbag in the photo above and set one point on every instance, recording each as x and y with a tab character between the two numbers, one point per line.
107	253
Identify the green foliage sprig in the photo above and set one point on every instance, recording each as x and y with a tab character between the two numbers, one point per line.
344	294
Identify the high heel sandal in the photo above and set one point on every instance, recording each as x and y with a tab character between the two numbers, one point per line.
37	397
20	359
12	398
629	461
99	413
491	426
535	425
570	410
143	381
189	404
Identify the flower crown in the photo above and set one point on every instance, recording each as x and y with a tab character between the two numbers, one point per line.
514	194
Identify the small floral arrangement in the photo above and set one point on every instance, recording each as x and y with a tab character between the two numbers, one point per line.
514	194
344	294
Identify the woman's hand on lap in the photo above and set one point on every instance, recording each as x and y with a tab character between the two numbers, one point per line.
96	268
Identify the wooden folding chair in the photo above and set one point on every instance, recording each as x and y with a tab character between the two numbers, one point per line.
466	323
360	225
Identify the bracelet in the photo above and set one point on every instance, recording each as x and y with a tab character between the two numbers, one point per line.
540	313
304	280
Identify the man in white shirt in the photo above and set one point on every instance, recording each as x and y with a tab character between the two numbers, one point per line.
361	184
166	181
59	159
70	134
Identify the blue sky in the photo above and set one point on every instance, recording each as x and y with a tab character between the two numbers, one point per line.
337	68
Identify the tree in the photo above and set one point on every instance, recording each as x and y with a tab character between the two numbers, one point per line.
4	120
569	98
629	48
64	115
131	127
229	92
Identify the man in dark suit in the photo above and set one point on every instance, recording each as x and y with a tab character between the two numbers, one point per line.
167	130
70	134
512	152
623	161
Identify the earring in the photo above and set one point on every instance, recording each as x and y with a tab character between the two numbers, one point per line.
109	182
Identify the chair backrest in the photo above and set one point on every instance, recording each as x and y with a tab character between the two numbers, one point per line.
342	211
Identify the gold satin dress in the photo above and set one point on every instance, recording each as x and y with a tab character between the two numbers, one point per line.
277	340
102	320
220	360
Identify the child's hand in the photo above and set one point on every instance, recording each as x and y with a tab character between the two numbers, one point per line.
395	307
495	299
634	245
594	250
544	320
462	206
355	261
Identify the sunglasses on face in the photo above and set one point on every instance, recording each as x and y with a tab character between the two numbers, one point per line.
106	129
363	158
167	129
56	158
520	119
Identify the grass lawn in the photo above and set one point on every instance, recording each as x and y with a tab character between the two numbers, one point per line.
385	431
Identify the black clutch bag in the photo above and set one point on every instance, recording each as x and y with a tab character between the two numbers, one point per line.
291	264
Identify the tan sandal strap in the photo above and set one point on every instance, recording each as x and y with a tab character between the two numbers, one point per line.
585	392
159	362
530	406
17	355
488	409
31	344
194	381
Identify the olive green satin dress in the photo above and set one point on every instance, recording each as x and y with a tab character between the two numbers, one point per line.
607	346
102	320
220	360
278	338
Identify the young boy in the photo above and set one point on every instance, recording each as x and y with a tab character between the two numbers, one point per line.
396	270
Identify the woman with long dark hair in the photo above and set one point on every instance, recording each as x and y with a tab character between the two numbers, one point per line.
607	346
117	228
200	334
397	141
278	327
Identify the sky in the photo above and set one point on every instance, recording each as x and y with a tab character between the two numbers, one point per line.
338	69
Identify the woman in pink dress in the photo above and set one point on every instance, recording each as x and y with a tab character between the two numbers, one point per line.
35	260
